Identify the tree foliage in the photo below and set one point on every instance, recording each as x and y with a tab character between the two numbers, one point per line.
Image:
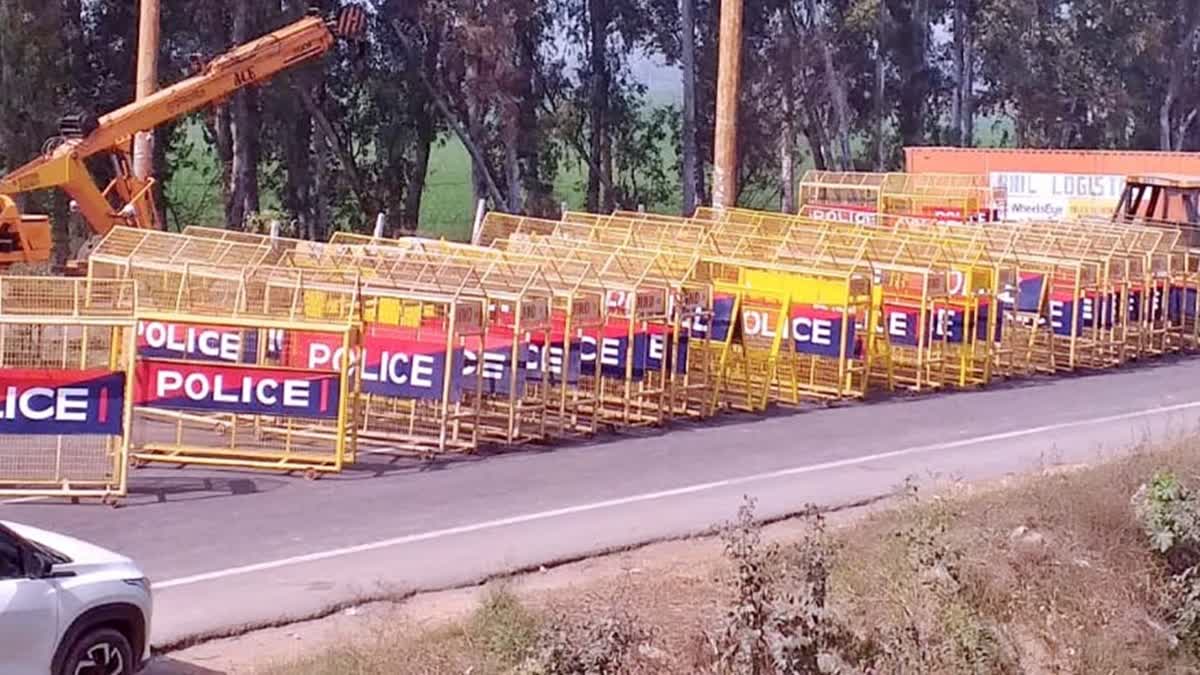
540	89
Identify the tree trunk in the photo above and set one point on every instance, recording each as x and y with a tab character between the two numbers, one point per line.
968	93
880	85
914	72
512	155
957	51
426	131
691	155
244	124
787	140
598	67
322	156
478	158
835	83
1180	56
297	157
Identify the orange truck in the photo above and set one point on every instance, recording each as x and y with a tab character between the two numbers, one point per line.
1053	184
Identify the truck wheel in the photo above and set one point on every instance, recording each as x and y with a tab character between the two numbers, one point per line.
101	652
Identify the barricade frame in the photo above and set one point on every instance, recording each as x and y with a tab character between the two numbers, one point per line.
103	306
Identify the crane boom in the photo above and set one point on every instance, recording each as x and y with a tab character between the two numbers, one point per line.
129	200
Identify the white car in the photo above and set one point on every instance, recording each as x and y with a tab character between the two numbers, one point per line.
68	607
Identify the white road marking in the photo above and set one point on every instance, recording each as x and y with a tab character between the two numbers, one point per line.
651	496
23	500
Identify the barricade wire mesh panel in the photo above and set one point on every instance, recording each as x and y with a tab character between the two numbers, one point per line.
64	364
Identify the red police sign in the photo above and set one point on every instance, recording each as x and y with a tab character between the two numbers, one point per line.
237	389
68	403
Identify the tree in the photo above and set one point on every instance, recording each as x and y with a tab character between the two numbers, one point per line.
690	153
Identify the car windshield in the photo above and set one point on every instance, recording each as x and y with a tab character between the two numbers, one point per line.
56	557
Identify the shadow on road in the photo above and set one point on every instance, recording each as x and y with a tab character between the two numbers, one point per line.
162	665
157	489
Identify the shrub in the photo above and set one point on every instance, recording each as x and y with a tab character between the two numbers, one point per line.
1170	516
502	628
781	621
604	646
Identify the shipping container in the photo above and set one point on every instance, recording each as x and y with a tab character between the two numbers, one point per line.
1054	184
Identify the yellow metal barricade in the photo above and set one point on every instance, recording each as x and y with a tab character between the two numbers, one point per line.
65	386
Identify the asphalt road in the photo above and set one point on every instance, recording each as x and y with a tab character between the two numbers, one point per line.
227	549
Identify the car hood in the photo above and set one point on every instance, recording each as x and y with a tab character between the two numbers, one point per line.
80	552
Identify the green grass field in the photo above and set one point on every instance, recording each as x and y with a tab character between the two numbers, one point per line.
194	190
447	208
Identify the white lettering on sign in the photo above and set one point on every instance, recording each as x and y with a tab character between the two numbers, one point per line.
897	324
225	345
65	404
204	387
658	347
815	331
818	331
1034	195
610	351
495	364
394	368
1056	314
839	215
550	359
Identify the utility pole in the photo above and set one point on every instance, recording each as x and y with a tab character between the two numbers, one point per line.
728	87
147	84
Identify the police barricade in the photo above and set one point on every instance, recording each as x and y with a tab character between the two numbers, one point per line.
560	364
953	197
411	343
65	375
911	352
637	348
1040	330
1152	269
417	389
1095	337
963	328
216	382
527	367
772	329
1059	298
562	367
637	278
122	244
812	364
517	318
860	197
845	196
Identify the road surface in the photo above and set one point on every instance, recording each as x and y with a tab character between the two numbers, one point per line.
228	549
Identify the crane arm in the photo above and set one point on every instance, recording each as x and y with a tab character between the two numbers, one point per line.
249	64
246	65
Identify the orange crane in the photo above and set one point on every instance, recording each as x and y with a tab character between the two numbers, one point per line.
128	200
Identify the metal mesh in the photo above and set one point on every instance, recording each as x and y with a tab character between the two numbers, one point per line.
63	329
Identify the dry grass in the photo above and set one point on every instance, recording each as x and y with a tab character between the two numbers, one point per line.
1046	575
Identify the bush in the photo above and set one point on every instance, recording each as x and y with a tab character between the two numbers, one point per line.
503	629
781	621
604	646
1170	516
940	627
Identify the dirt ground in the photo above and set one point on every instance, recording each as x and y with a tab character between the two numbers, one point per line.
675	564
674	567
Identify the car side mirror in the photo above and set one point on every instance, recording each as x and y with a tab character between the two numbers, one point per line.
36	566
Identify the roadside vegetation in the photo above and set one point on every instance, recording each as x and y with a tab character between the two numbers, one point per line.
1093	570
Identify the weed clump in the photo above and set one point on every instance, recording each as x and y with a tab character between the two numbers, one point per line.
781	621
1169	513
602	646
